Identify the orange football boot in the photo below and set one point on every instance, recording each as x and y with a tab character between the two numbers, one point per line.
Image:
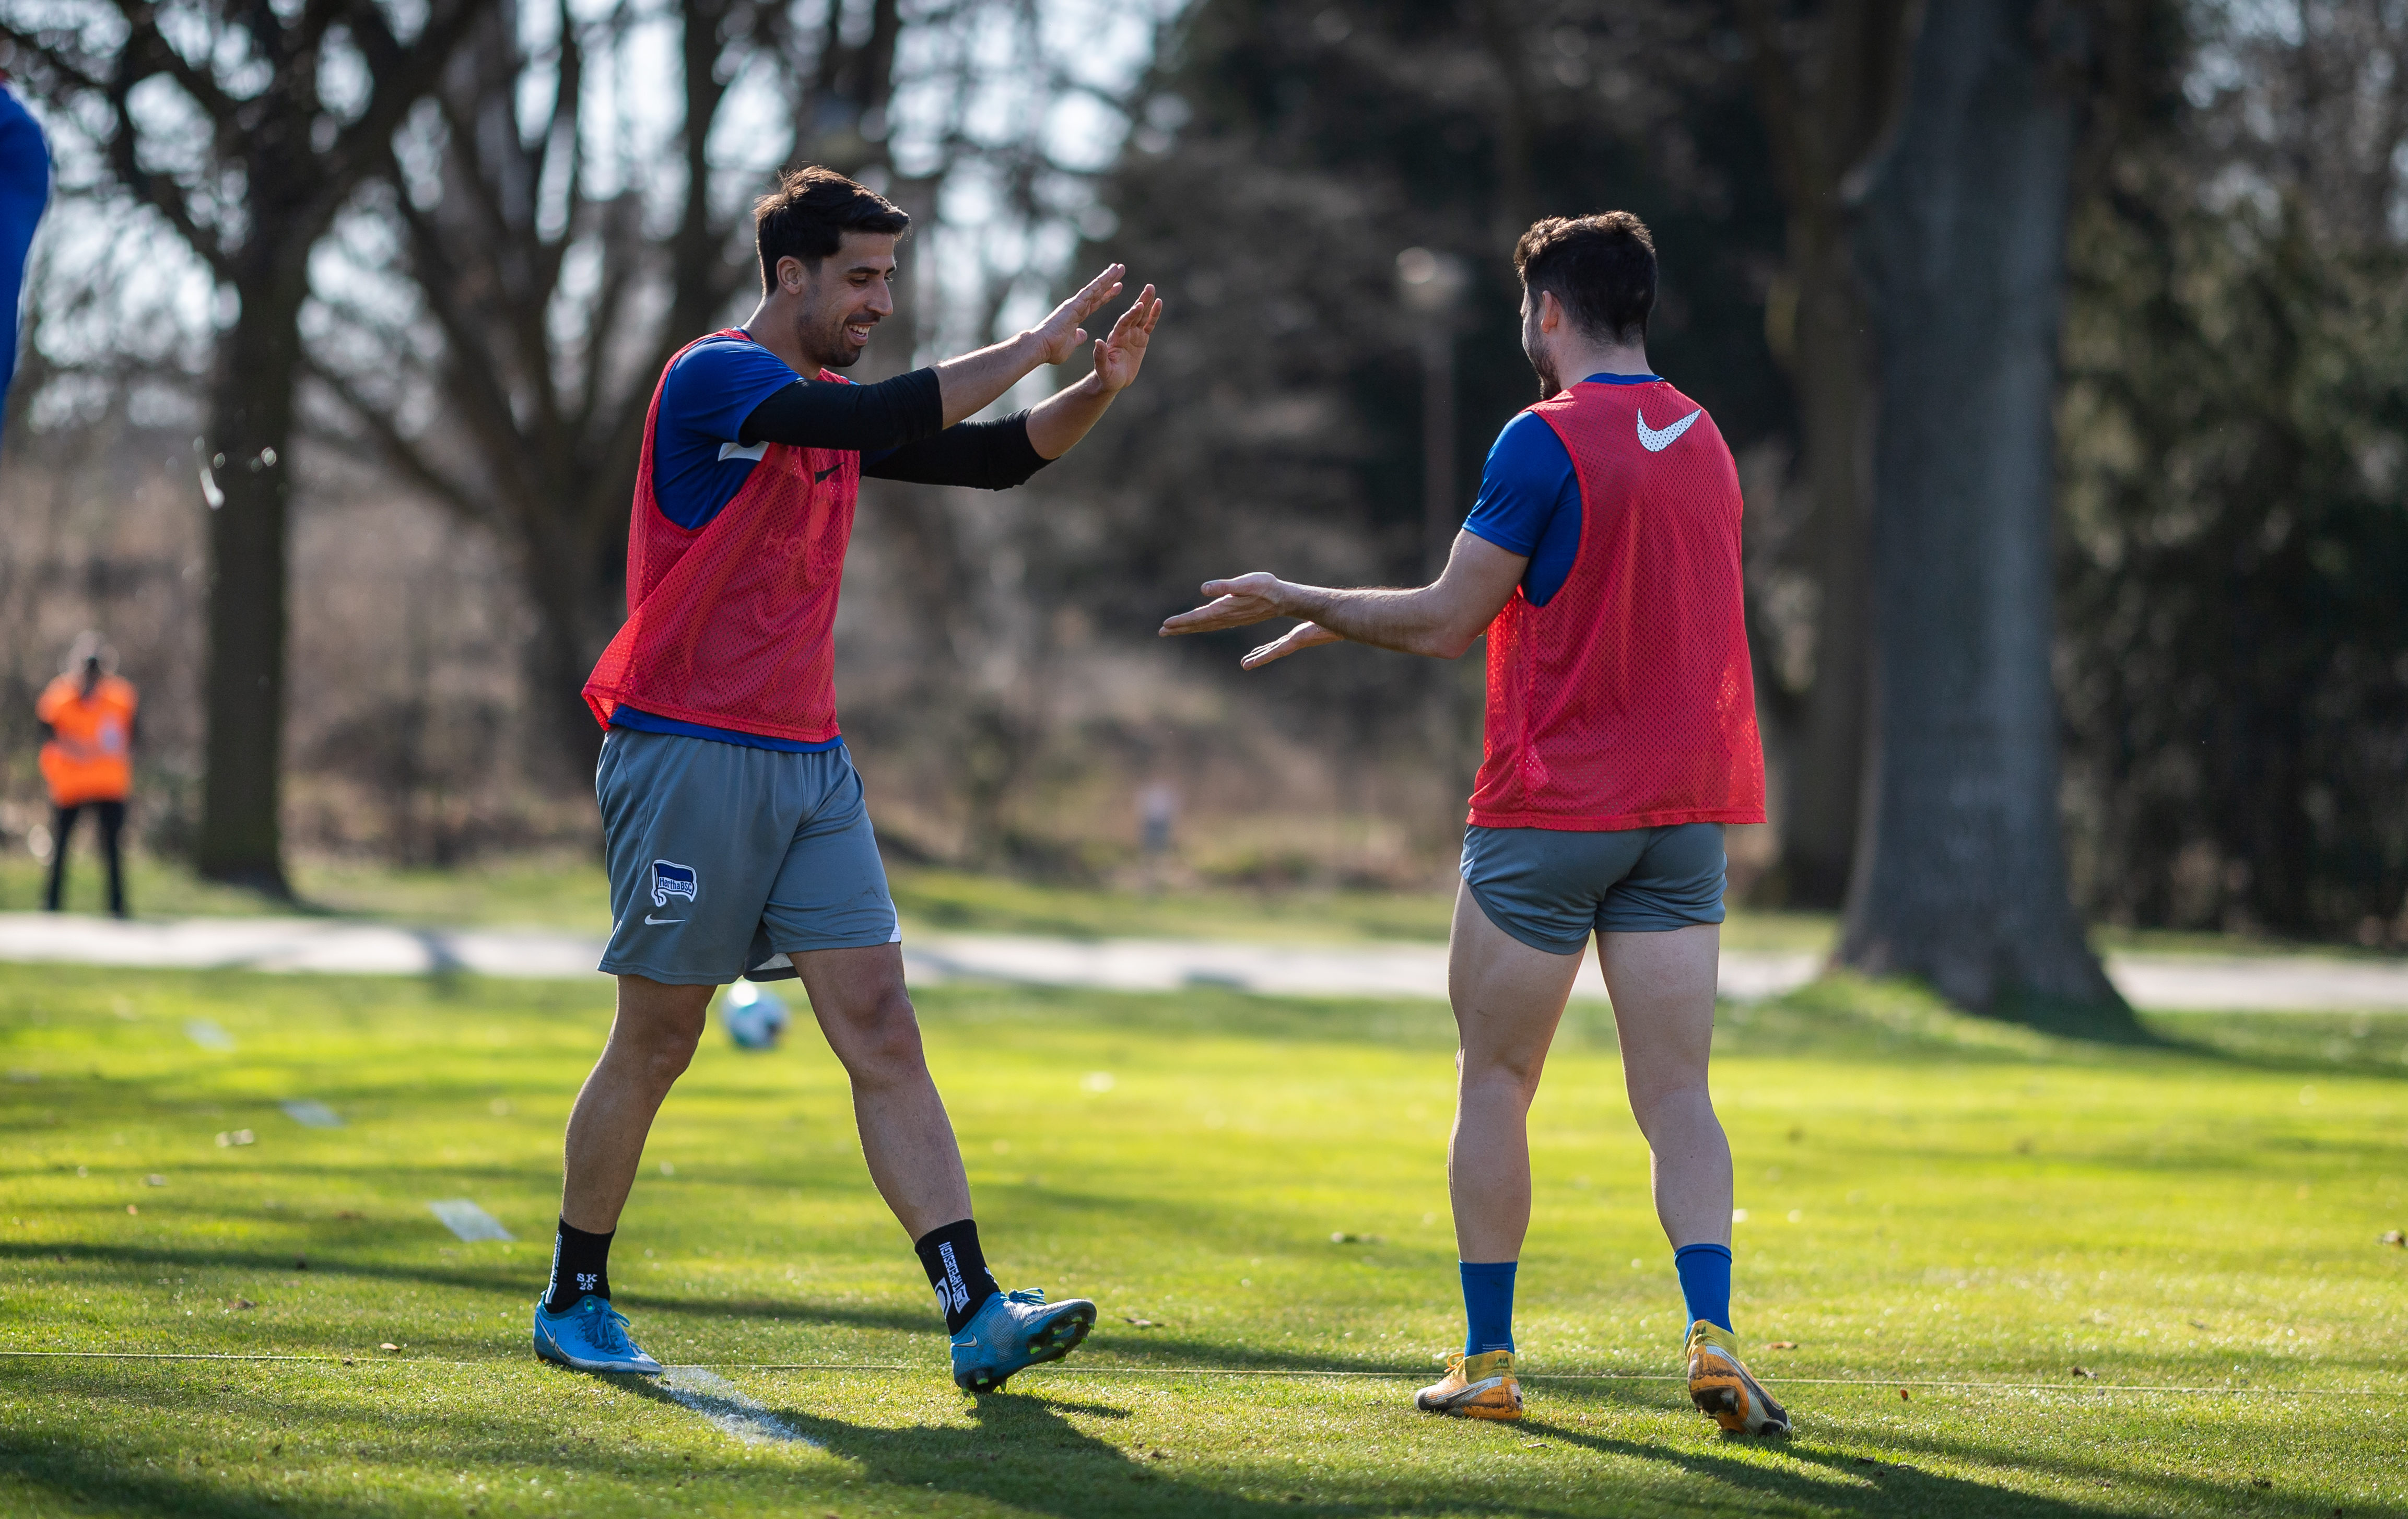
1720	1385
1475	1387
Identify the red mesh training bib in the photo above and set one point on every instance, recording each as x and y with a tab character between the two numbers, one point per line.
733	624
1626	700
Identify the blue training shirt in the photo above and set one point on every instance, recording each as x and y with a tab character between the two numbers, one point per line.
710	390
1530	501
24	192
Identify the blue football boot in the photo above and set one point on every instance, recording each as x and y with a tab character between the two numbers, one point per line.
1016	1330
591	1337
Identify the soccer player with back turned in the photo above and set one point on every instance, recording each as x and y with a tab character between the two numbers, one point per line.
734	825
1602	559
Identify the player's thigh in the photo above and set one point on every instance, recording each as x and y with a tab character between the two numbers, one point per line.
694	833
858	995
1660	937
1508	996
830	891
1663	989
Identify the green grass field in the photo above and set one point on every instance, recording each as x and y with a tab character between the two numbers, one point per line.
1946	1216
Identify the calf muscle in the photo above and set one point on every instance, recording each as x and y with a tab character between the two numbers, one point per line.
652	1037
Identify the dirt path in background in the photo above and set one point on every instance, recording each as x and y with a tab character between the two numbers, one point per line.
2299	983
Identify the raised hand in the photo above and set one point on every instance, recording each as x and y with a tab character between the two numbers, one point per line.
1237	603
1059	335
1301	636
1123	349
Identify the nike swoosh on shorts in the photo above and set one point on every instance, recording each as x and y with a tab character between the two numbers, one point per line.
658	922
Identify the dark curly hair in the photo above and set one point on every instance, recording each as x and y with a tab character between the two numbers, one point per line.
1601	267
810	212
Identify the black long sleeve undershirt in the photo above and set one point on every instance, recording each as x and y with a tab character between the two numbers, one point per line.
988	455
821	414
897	426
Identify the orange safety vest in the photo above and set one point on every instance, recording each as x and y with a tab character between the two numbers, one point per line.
91	759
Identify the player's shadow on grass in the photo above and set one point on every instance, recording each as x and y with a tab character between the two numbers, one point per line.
2159	1491
1825	1481
84	1479
1021	1453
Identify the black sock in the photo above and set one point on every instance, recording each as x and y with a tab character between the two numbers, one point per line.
956	1269
581	1263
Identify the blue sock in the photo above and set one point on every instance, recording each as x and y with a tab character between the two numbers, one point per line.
1487	1305
1705	1282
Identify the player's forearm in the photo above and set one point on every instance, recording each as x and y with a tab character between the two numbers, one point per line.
1062	417
971	383
1408	622
983	455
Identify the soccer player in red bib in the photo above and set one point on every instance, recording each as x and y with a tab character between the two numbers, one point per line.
1603	560
734	827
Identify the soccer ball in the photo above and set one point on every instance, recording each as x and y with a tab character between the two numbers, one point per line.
755	1016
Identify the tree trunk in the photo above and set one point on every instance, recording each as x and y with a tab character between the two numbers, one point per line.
576	579
1826	770
251	435
1961	870
1825	107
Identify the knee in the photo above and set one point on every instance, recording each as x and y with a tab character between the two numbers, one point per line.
666	1060
1515	1072
658	1053
882	1041
1659	1106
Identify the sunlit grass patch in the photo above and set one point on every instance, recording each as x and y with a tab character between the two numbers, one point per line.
1954	1207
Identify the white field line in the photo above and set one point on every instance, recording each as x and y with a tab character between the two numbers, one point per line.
468	1221
722	1403
1299	1374
311	1113
207	1034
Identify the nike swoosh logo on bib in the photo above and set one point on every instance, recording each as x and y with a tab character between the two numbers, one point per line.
1654	440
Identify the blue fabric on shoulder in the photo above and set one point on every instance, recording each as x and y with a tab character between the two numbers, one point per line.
698	462
1530	498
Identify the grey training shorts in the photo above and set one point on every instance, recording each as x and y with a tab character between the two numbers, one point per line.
724	858
1551	888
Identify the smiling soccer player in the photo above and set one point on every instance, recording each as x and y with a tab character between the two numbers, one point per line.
1602	559
734	823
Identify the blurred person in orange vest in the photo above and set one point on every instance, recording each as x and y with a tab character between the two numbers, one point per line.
86	716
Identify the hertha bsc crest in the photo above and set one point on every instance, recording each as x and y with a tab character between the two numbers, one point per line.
670	880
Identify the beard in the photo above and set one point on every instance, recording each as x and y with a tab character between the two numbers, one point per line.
822	339
1548	383
1542	364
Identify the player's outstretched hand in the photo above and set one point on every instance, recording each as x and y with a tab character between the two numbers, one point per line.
1239	602
1303	636
1059	335
1118	356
